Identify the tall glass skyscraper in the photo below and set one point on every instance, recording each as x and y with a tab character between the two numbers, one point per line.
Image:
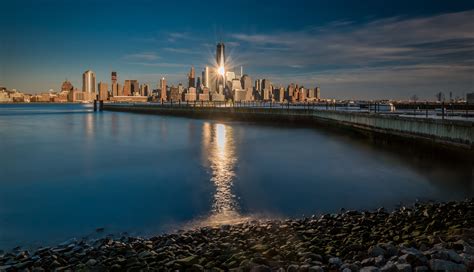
220	59
88	82
220	55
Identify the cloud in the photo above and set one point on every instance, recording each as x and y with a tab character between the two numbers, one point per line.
390	54
175	36
144	56
160	64
182	50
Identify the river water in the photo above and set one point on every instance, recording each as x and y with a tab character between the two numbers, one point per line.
66	171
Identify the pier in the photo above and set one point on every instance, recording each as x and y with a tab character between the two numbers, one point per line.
448	133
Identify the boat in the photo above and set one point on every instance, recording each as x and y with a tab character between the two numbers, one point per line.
382	107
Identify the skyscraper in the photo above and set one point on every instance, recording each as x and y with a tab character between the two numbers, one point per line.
220	59
88	82
246	82
192	78
130	87
220	55
115	85
114	77
103	92
163	89
144	90
198	83
205	77
127	88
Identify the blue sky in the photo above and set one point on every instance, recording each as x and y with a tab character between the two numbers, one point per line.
351	49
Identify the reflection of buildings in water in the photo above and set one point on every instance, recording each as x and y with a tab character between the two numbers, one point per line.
220	156
89	125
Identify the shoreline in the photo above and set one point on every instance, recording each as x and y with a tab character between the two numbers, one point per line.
422	237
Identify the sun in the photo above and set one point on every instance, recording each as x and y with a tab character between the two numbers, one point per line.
221	70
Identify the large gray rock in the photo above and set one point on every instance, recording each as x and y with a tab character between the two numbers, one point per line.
389	267
421	269
293	268
375	251
443	265
454	256
369	269
335	261
316	269
404	268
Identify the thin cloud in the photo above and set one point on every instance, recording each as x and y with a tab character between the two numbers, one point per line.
182	50
160	64
144	56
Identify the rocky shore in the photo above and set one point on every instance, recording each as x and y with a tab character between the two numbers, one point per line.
423	237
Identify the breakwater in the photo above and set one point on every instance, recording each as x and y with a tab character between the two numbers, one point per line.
456	134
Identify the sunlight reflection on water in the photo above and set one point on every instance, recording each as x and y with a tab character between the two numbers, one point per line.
220	155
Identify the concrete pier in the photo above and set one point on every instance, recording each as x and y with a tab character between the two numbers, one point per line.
448	133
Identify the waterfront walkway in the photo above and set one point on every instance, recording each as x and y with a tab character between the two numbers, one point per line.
443	131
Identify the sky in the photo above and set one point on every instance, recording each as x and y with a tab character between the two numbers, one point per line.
350	49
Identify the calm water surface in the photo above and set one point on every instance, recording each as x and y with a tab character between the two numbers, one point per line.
66	171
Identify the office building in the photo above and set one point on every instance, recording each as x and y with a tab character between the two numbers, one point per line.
88	83
174	94
205	77
114	85
198	83
317	93
191	78
145	90
103	91
67	86
113	76
162	88
131	87
191	95
470	98
221	69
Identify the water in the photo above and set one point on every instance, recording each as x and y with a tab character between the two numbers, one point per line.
66	171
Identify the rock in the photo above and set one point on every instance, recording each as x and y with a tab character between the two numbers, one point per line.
293	268
379	260
443	265
468	260
421	268
314	257
389	267
454	256
91	262
404	268
335	261
316	269
188	261
349	267
260	268
375	251
468	250
390	250
369	269
368	262
304	268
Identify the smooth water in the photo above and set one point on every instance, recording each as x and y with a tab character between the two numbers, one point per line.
66	171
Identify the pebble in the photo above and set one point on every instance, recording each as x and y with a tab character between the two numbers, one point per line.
427	236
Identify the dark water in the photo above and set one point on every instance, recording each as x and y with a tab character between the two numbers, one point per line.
65	171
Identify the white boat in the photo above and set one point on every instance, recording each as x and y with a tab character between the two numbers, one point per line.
382	107
351	106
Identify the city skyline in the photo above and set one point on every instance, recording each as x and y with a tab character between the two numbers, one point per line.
365	53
